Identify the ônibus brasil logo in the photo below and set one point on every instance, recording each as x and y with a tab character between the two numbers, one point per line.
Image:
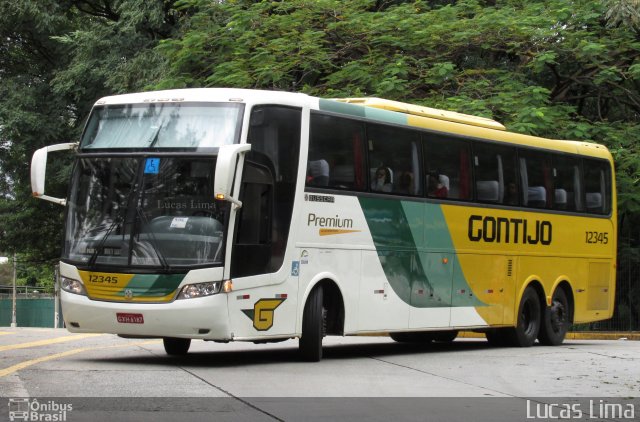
34	410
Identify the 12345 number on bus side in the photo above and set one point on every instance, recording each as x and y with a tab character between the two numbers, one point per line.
597	237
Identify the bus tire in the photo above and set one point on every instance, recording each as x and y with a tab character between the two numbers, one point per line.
176	346
498	337
418	337
529	319
313	327
556	319
445	336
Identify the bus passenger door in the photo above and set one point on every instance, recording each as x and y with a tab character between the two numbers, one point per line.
431	291
259	304
265	284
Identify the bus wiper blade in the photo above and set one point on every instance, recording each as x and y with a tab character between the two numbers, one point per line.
96	252
154	241
155	138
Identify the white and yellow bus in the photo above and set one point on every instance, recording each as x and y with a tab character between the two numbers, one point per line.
241	215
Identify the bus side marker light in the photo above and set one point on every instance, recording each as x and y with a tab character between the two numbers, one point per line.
281	296
445	260
227	286
243	297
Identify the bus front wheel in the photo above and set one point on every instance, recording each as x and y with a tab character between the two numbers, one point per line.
498	337
176	346
556	320
313	327
529	319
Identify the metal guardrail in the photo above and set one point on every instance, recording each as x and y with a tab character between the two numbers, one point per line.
26	292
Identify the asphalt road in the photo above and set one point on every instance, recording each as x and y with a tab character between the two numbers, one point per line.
109	378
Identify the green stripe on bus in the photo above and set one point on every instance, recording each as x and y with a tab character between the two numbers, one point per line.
362	111
411	240
153	285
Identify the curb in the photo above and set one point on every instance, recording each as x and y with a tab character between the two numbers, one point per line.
581	335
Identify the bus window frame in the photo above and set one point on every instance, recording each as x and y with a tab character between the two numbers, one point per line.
471	141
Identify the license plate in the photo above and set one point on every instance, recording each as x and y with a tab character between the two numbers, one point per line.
130	318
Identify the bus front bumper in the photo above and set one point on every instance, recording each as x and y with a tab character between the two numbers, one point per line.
199	318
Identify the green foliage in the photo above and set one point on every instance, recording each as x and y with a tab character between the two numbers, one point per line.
56	59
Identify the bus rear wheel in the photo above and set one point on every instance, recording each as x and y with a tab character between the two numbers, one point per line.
529	319
313	327
176	346
556	320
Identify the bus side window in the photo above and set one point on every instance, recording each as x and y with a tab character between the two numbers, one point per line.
536	179
394	160
597	186
495	174
450	158
566	177
336	153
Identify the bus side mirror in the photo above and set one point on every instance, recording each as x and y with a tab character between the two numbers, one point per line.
226	166
39	169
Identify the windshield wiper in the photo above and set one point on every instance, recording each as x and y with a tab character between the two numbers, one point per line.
96	252
155	138
154	240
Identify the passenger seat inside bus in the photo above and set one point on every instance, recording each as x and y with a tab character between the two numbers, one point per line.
537	196
560	199
318	173
488	190
594	201
343	176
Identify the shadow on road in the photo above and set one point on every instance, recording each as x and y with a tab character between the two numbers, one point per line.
288	353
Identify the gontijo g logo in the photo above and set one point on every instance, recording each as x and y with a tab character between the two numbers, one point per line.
262	313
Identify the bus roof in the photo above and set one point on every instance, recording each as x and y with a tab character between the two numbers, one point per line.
380	109
418	110
208	95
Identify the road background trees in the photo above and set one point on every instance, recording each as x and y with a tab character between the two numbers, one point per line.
567	69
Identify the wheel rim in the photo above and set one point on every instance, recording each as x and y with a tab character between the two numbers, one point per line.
528	318
558	314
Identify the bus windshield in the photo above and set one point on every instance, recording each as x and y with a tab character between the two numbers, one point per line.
187	126
144	212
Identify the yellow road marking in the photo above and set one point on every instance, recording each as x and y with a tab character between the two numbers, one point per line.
4	333
46	342
27	363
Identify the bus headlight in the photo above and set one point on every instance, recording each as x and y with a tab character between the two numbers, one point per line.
72	286
200	290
